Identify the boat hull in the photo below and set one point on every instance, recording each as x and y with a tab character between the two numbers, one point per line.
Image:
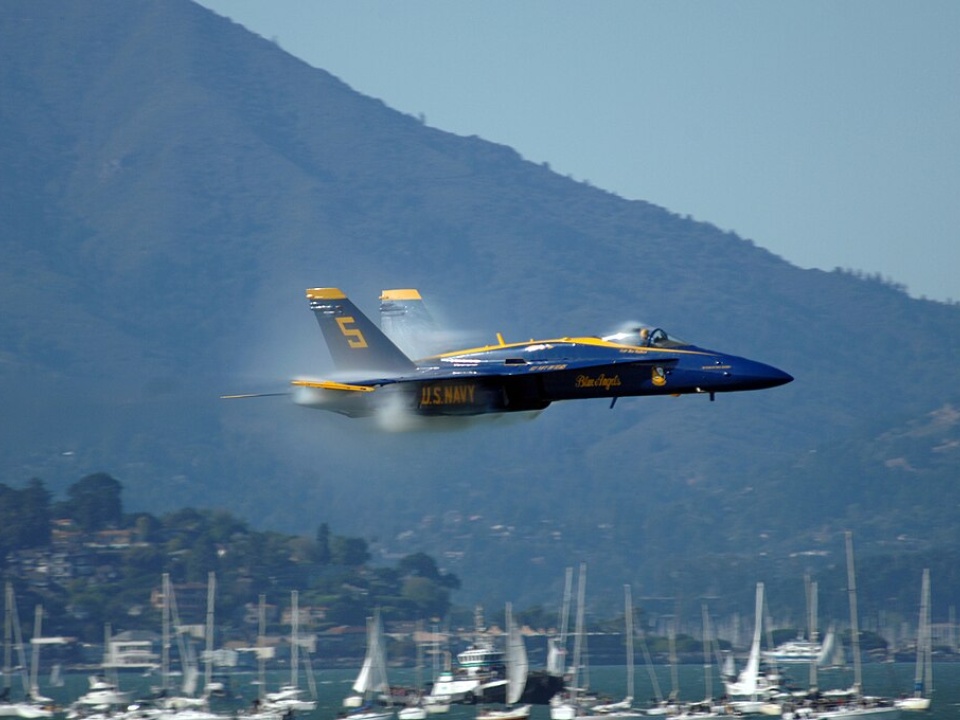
520	712
913	704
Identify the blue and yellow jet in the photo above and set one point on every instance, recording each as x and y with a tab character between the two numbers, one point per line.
506	377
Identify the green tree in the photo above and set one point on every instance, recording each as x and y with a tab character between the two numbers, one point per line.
94	502
9	514
323	544
143	563
35	510
429	598
419	564
24	517
422	565
349	551
187	523
202	559
346	610
147	527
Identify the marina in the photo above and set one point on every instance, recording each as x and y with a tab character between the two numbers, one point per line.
889	679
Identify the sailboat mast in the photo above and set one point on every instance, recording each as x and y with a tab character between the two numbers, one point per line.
508	626
648	661
107	653
261	629
208	664
578	629
7	636
814	592
707	665
921	679
672	644
35	651
814	602
854	624
565	607
18	639
628	602
295	637
929	637
418	641
165	621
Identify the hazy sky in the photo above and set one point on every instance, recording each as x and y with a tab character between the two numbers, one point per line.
827	131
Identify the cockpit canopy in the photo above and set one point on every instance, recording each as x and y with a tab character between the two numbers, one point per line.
646	336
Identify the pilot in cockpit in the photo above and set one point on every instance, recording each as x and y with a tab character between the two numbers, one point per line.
644	336
658	337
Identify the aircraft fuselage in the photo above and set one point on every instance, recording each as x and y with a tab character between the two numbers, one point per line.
529	376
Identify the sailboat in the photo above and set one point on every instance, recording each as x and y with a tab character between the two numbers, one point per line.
745	691
257	711
575	699
517	666
434	704
371	683
186	699
31	707
289	696
56	676
923	679
624	708
660	706
37	705
416	710
858	706
563	705
702	710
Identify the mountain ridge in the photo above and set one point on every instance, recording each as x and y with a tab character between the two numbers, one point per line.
173	183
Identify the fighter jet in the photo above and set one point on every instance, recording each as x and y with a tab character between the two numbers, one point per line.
374	374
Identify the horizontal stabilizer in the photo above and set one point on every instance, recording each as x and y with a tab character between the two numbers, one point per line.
330	385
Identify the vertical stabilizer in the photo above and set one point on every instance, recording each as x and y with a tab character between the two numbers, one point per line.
355	343
405	319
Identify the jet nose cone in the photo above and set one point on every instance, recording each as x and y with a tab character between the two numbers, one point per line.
779	377
762	376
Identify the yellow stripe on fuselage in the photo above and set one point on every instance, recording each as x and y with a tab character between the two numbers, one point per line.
330	385
594	341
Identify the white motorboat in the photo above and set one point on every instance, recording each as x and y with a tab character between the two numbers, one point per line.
102	693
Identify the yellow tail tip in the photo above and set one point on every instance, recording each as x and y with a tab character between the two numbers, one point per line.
407	294
325	294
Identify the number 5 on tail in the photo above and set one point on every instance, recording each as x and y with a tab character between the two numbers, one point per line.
354	337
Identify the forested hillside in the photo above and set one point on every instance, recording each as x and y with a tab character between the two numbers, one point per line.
170	185
89	563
